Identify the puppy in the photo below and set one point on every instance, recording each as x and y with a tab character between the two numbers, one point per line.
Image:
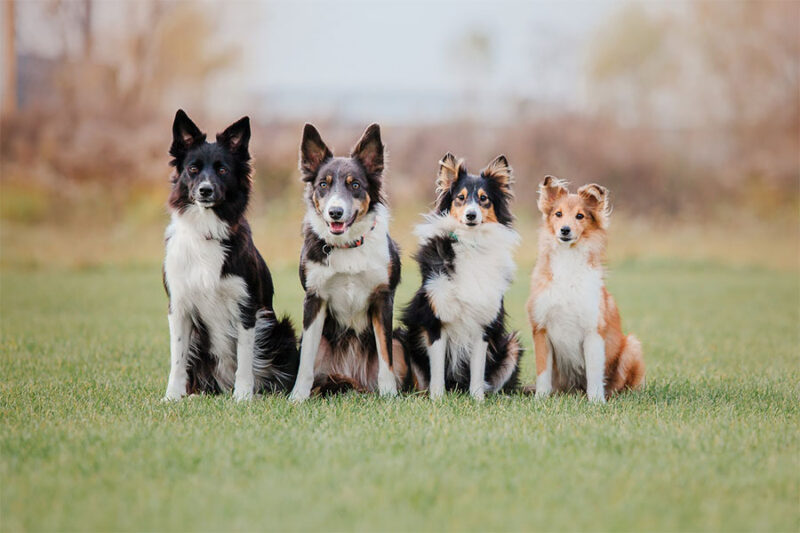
577	333
454	332
349	268
223	331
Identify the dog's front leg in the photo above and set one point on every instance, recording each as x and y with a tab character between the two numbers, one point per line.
544	362
313	321
244	385
477	369
180	331
594	353
436	353
381	316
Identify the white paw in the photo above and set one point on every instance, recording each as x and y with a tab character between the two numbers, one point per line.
299	394
242	393
541	394
597	397
436	393
172	396
387	385
477	395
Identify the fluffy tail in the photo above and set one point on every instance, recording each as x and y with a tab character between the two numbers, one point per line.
505	376
629	373
276	356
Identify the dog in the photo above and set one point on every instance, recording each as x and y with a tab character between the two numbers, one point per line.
349	269
223	330
577	332
453	331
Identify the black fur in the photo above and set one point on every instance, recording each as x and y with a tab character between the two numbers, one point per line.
226	166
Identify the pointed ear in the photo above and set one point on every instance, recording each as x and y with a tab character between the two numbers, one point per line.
236	136
550	190
369	150
313	152
500	172
185	134
449	169
596	198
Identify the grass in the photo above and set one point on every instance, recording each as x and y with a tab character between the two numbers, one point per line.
711	443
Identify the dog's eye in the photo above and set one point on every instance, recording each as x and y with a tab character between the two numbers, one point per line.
222	171
483	198
558	214
193	169
579	216
356	185
323	185
461	197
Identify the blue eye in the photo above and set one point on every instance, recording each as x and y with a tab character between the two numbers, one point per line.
323	185
356	185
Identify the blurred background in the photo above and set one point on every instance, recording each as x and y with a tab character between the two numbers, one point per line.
688	111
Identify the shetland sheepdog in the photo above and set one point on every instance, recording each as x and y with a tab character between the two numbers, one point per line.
453	330
223	330
577	332
349	269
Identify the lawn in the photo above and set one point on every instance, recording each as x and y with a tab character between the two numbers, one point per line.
711	442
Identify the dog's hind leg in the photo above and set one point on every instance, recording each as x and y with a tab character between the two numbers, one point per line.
381	316
630	366
505	374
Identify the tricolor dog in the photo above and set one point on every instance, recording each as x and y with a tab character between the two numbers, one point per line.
454	332
577	332
349	268
223	330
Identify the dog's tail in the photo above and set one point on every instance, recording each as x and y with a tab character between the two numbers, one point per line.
505	377
276	357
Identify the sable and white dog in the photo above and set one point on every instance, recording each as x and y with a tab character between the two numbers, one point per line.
349	268
223	330
454	333
577	332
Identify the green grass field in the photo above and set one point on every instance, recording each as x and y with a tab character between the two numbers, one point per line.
711	442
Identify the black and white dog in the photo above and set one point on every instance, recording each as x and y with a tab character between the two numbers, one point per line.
223	330
349	268
454	333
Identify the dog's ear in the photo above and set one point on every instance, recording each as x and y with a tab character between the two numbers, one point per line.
313	152
550	190
236	137
369	150
500	172
449	170
596	198
185	134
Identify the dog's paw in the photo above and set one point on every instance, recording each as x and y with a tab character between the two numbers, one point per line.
436	393
242	394
387	385
299	395
597	397
171	396
477	395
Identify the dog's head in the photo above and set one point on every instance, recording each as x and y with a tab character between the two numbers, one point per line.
342	190
209	174
475	200
570	217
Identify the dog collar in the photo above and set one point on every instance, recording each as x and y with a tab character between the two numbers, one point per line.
328	248
453	236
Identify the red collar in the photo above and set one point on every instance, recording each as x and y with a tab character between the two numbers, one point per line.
328	248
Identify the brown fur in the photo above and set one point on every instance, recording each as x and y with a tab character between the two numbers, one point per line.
624	367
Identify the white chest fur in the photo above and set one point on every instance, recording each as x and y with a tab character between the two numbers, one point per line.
569	307
468	300
193	267
351	275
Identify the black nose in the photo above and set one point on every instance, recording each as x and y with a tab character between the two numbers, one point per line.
336	212
565	230
205	190
471	216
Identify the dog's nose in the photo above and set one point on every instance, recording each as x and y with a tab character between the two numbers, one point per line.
471	216
336	212
205	190
565	230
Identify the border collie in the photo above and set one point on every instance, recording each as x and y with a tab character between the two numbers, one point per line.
577	332
223	331
349	269
454	331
